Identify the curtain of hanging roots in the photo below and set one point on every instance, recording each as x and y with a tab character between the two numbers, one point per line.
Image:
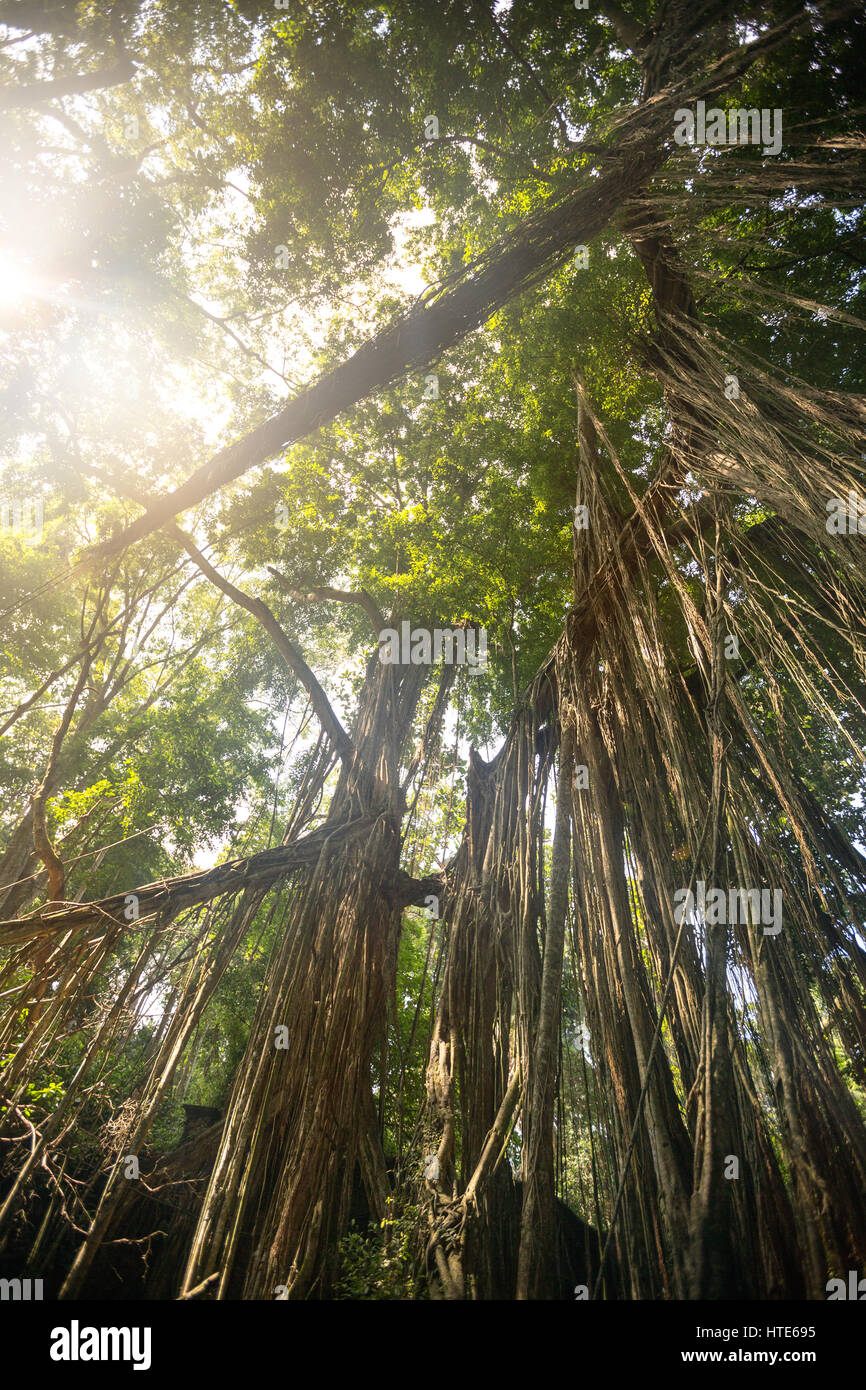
481	1044
89	991
662	742
278	1194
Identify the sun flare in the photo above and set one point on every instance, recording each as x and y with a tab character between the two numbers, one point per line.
17	281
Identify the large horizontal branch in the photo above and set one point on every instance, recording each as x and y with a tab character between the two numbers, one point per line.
406	891
37	93
538	246
517	262
170	896
360	597
288	651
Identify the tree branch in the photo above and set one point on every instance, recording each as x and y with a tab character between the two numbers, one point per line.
37	93
406	891
171	896
358	596
288	651
517	262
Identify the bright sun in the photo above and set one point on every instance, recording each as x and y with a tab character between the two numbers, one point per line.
16	281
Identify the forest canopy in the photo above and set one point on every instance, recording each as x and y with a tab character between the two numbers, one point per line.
432	526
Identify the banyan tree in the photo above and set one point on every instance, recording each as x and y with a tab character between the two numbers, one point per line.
328	969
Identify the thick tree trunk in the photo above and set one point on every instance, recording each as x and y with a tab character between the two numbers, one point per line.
278	1196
